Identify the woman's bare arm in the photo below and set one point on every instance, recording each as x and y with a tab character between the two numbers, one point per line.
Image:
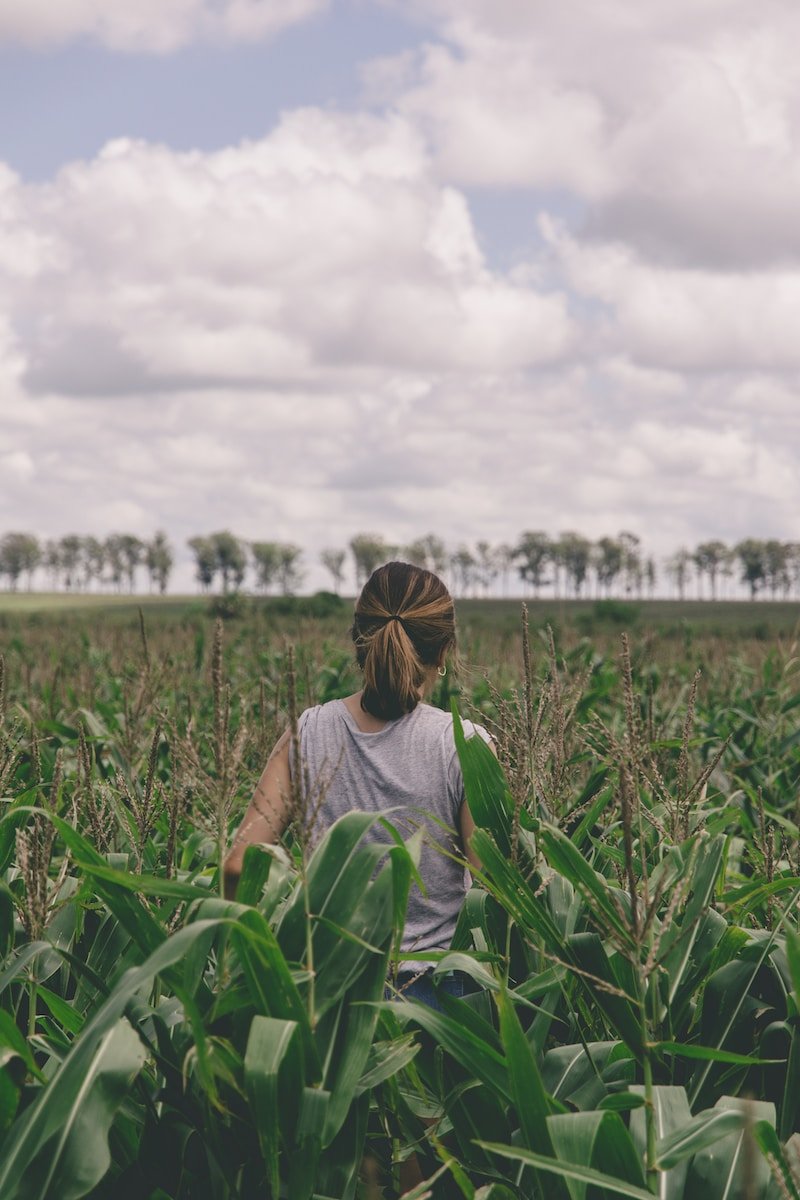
267	815
467	829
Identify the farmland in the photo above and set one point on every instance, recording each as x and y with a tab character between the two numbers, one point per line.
632	939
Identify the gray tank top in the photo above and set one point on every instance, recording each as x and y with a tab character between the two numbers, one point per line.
410	766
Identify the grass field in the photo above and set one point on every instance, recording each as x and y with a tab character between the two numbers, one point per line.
761	618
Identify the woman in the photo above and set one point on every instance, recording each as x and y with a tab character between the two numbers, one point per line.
384	750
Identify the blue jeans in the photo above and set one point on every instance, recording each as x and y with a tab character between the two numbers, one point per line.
421	987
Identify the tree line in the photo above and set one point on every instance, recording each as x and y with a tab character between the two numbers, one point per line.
569	565
74	562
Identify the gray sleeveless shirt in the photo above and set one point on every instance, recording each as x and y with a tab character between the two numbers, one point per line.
410	766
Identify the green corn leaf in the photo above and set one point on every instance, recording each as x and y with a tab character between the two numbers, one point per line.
575	1073
621	1102
723	998
511	890
256	868
706	1129
725	1167
752	894
598	1140
272	990
565	858
405	857
485	787
596	808
670	1112
346	1055
572	1172
12	1077
471	1045
385	1060
337	874
68	1017
44	1118
117	889
342	953
767	1139
531	1101
709	1054
16	814
679	940
308	1146
13	1040
6	920
475	1112
273	1074
468	965
74	1156
790	1108
590	955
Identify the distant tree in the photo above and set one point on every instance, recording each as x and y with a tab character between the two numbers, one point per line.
727	569
267	562
575	554
486	565
709	558
776	566
206	565
333	561
290	574
51	561
534	551
416	552
70	557
115	559
794	566
505	561
93	559
19	553
650	575
463	566
159	560
428	552
678	570
132	553
231	557
369	550
752	556
632	573
607	557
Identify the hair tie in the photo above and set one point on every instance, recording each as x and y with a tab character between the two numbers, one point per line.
394	617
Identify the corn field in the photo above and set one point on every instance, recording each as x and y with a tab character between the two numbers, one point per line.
631	940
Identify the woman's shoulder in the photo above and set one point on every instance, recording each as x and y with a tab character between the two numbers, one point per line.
320	712
442	721
317	716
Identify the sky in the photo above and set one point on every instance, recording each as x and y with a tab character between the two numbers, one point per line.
304	268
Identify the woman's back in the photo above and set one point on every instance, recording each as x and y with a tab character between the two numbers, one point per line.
410	771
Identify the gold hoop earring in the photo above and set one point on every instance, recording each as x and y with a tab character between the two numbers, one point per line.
442	671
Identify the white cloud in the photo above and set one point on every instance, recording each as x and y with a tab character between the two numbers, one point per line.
686	319
675	124
157	26
326	247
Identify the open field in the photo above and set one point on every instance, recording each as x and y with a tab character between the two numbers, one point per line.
761	620
631	940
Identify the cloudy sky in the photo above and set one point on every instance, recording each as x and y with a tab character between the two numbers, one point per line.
301	268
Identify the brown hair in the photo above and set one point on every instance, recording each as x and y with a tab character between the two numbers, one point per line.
404	622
